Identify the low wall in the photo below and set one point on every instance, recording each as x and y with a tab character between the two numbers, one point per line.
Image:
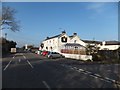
76	56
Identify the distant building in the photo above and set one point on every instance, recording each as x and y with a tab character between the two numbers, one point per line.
105	45
92	42
110	45
74	47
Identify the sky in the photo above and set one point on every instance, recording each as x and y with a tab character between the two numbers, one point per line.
90	20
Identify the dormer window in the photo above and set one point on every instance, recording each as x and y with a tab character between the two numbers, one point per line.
64	39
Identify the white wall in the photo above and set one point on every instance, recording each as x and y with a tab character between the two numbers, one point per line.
61	44
57	44
79	57
77	41
53	44
109	47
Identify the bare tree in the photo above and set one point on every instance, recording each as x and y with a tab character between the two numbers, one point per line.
8	18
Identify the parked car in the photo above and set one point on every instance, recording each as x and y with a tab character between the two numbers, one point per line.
45	53
41	52
55	55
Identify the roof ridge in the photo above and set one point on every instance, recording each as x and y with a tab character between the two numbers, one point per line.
53	37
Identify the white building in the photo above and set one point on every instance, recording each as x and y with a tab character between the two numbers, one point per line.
63	41
73	46
110	45
55	43
105	45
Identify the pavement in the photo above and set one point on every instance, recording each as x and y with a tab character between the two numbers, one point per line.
29	70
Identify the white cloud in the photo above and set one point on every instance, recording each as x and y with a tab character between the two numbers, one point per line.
97	7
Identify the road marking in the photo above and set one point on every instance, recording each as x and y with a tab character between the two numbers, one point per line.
81	70
110	79
30	64
47	86
93	74
13	56
97	75
87	72
7	65
74	67
24	57
19	60
84	72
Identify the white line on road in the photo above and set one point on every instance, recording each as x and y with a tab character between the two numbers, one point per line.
24	57
47	86
94	75
13	56
110	79
7	65
88	72
30	64
97	75
19	60
81	70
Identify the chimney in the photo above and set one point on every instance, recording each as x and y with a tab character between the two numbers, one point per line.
63	32
103	43
74	34
47	37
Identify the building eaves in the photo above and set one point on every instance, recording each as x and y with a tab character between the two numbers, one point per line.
74	44
112	43
71	36
91	41
53	37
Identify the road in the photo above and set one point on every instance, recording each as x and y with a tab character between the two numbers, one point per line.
29	70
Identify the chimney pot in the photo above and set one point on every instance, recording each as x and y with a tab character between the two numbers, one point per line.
74	33
63	32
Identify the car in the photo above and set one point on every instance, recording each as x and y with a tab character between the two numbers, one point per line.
40	52
55	55
45	53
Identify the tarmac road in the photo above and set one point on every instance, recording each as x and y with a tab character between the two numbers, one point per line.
28	70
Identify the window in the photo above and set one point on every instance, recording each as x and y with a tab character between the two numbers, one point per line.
51	48
42	45
76	47
75	41
64	39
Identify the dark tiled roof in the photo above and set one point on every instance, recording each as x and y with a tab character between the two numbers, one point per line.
35	48
71	36
100	42
52	37
73	44
112	43
91	41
